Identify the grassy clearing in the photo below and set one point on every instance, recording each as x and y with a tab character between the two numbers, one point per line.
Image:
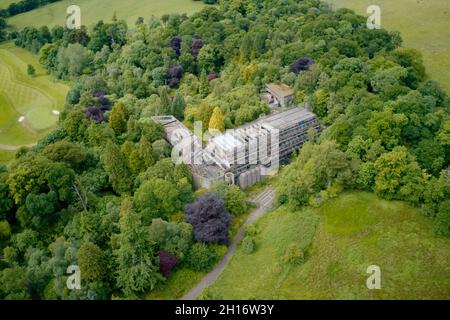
94	10
6	156
356	230
5	3
424	25
180	282
33	97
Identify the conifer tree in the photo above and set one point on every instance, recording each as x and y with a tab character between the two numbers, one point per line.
116	168
119	118
178	105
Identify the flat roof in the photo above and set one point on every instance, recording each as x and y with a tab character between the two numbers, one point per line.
287	118
227	141
175	131
280	89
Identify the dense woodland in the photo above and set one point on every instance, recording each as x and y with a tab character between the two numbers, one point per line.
101	191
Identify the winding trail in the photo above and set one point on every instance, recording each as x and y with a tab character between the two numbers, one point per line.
13	148
264	200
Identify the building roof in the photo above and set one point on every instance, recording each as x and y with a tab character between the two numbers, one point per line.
280	89
287	118
175	131
227	142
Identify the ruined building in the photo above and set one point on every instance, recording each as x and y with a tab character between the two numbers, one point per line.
243	155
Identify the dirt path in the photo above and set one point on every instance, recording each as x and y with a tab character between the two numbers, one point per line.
264	200
14	148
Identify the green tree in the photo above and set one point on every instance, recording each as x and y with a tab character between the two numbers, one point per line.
119	118
31	70
178	105
398	176
165	100
201	257
217	121
27	176
141	158
5	230
13	284
442	220
41	208
116	167
137	264
92	262
157	198
235	200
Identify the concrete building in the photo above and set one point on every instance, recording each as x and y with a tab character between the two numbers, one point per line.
244	155
279	94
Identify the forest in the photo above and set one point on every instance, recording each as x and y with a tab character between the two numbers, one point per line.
101	192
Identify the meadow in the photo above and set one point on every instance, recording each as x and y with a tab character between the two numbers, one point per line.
94	10
35	98
423	24
5	3
355	231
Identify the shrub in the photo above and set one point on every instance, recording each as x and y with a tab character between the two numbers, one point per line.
201	257
442	221
235	200
167	262
248	245
293	255
252	230
30	70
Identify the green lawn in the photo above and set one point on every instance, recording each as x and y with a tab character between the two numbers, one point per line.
355	231
94	10
424	25
180	282
33	97
5	3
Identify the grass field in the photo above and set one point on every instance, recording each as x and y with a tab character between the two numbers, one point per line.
355	231
424	25
31	97
94	10
5	3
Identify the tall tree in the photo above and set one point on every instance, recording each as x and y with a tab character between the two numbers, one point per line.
119	118
217	121
137	262
116	167
178	105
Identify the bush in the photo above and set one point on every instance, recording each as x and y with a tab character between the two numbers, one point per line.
252	230
30	70
235	200
293	255
201	258
248	245
167	262
442	221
